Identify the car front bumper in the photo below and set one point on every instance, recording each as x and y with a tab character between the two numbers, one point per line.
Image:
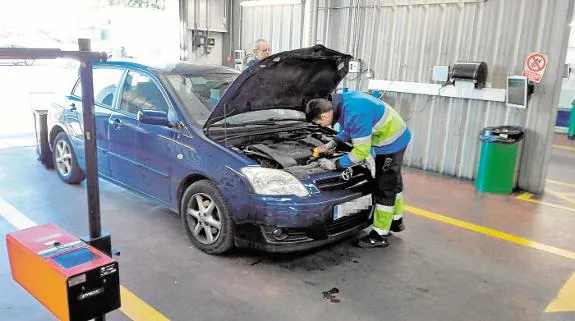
305	223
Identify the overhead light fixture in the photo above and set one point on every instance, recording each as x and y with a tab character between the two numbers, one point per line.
260	3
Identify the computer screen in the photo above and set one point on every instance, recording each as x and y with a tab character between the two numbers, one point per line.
75	258
517	92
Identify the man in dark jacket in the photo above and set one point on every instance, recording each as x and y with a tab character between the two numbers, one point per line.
262	50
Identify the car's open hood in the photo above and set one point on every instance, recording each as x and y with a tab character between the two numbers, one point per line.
285	80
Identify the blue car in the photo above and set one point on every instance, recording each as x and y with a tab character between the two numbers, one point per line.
230	152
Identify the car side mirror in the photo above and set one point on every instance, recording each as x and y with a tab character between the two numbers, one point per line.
153	117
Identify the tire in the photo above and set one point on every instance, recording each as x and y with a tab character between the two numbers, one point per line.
65	161
197	222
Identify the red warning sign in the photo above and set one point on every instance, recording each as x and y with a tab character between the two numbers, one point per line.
535	66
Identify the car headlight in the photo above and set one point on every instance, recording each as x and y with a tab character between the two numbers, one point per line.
268	181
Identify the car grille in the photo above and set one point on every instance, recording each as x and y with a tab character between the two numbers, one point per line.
348	222
337	182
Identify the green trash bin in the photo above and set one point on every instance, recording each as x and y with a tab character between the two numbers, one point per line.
571	129
498	159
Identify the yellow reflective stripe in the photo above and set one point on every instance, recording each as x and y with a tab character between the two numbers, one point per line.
383	120
353	158
382	217
390	131
398	207
393	137
359	152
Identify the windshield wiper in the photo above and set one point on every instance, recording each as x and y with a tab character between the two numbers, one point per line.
268	121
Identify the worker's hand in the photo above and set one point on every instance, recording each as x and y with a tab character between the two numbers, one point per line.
326	149
327	164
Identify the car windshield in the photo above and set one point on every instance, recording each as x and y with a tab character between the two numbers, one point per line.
200	93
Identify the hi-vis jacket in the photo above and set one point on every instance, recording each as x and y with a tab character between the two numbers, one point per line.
369	123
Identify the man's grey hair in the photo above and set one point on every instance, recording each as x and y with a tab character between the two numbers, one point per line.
258	43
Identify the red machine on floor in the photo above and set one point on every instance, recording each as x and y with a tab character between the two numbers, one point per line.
69	277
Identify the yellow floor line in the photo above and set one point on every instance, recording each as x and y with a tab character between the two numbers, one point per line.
559	195
138	310
132	306
569	148
560	183
526	197
565	300
490	232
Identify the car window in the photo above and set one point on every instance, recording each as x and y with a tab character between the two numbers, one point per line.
141	93
106	81
200	93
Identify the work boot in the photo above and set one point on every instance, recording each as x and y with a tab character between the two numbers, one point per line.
397	225
373	239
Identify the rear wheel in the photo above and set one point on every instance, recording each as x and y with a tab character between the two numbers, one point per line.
206	218
65	160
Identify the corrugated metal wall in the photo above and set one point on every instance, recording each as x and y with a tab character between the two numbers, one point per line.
280	25
211	14
403	42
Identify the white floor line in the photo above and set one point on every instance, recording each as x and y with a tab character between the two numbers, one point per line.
14	216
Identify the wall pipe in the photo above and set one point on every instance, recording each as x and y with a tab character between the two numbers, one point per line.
377	5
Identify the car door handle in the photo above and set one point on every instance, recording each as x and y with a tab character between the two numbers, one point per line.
116	123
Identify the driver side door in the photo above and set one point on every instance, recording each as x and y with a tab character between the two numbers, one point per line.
152	152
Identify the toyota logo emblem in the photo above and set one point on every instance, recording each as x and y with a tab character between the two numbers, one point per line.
347	174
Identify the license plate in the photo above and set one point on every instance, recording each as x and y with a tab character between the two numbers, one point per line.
352	207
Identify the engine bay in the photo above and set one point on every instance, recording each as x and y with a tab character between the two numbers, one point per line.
291	150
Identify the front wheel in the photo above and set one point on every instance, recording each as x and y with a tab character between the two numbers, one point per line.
206	218
65	160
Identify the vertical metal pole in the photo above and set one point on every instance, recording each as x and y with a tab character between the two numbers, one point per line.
93	187
184	12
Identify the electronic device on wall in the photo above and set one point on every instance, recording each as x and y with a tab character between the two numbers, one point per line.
201	42
239	59
475	72
567	71
519	91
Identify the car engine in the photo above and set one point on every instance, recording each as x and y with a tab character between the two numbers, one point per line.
289	150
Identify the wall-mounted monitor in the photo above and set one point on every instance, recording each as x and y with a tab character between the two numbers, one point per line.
517	92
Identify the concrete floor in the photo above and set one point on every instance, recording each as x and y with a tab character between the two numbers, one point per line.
432	271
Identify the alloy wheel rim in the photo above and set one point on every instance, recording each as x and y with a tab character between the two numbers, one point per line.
63	158
204	219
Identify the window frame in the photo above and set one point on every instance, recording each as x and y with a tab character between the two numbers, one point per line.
152	77
116	93
163	77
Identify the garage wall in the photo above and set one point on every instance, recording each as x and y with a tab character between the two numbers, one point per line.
280	25
212	16
402	42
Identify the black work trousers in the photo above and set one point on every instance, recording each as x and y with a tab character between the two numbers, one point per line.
388	191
